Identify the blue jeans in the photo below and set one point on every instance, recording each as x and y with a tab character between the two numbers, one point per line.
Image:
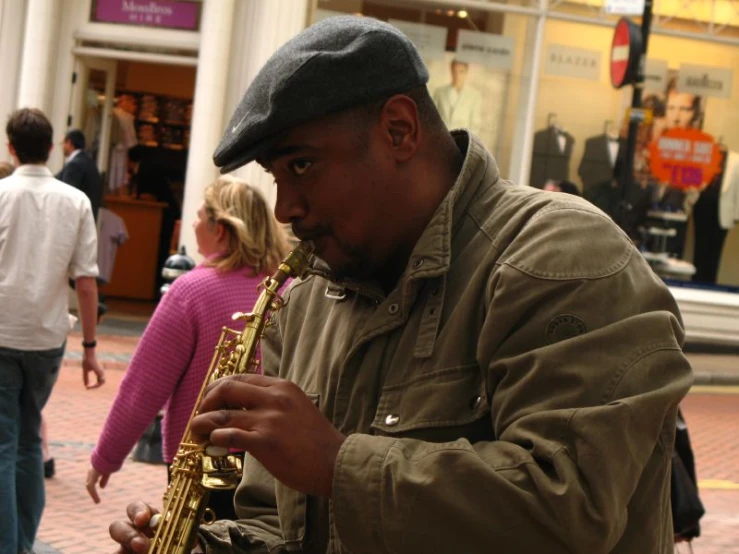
26	380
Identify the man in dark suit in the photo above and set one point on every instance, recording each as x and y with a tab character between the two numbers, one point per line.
80	170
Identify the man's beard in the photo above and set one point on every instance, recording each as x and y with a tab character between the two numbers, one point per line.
354	263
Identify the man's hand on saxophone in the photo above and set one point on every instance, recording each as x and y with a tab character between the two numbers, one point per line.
270	418
276	423
133	535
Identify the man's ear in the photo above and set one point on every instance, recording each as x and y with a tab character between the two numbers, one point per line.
399	121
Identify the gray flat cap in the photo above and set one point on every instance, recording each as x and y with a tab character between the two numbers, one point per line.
334	65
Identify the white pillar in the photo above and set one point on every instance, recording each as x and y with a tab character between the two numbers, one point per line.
208	109
267	26
260	27
70	16
520	164
12	16
41	29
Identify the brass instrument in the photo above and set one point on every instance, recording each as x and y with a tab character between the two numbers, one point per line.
197	469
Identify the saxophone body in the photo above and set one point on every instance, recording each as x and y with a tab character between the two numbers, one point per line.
198	469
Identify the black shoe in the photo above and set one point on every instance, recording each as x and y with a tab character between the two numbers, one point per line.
49	468
102	310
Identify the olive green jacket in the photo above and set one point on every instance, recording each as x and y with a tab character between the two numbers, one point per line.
516	392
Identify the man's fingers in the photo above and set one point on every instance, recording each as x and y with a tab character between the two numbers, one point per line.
204	424
244	378
139	513
130	539
235	438
233	393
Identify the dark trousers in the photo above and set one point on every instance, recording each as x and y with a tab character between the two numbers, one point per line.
709	239
26	380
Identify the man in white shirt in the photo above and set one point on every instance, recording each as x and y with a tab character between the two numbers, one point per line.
459	104
47	234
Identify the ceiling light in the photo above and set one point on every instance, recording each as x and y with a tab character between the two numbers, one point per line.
462	14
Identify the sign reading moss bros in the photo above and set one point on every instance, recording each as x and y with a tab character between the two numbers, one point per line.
685	158
154	13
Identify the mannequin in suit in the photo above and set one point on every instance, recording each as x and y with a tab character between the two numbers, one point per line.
80	170
599	159
551	154
707	225
459	104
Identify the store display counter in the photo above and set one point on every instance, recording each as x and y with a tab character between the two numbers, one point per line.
709	316
135	270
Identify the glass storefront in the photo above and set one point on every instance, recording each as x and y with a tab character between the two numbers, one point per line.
534	84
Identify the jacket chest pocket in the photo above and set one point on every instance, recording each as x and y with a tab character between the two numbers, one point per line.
440	406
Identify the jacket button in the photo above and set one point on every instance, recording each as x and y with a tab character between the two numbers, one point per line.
418	263
475	402
392	419
392	309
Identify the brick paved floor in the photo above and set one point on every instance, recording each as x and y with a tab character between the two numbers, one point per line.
73	524
713	424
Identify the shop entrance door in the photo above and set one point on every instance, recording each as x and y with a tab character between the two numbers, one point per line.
92	102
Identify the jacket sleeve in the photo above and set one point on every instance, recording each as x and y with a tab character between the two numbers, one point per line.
258	529
580	348
162	356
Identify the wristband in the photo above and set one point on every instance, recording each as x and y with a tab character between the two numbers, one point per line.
91	344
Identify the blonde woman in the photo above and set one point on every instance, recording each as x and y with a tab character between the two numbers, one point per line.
241	243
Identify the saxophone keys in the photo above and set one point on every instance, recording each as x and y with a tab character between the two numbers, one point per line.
154	521
245	316
216	451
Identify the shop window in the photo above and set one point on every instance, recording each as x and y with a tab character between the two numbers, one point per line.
475	60
581	127
713	18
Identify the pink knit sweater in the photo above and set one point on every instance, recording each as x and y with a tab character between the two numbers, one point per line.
171	360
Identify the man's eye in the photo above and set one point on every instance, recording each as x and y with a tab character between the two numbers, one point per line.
299	167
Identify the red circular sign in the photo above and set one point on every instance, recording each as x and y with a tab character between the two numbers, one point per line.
620	53
684	158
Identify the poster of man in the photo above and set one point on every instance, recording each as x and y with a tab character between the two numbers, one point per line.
469	85
674	109
458	102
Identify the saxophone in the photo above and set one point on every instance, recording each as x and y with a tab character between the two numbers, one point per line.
198	469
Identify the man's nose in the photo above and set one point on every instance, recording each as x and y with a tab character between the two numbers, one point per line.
290	205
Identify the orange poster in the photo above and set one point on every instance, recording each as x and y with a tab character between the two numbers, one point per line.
684	158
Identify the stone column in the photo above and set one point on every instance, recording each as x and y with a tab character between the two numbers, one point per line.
12	18
259	28
267	26
208	109
37	62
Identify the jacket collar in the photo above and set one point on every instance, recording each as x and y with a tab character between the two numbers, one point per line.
431	256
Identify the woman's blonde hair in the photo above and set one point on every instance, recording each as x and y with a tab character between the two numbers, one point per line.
6	169
255	239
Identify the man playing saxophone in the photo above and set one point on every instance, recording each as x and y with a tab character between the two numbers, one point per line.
473	366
